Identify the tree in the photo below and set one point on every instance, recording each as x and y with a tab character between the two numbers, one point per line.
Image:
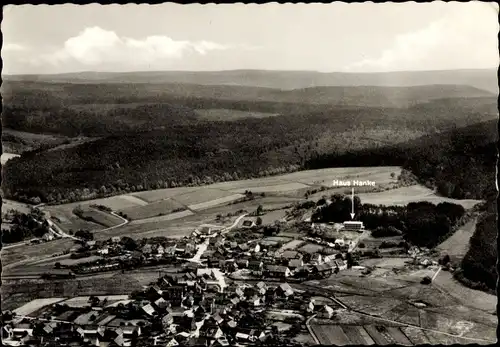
129	243
258	221
260	209
57	265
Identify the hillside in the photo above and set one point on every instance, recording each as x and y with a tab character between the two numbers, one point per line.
104	109
218	151
115	93
479	267
480	78
434	159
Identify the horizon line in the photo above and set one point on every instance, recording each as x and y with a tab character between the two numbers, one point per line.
243	70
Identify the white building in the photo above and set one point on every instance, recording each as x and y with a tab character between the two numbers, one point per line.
353	226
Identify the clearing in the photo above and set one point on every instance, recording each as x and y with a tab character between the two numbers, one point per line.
457	245
223	114
14	205
414	193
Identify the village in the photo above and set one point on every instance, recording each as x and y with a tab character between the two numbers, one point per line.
214	287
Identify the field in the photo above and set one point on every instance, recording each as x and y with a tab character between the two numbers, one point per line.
360	335
36	251
311	248
151	210
405	195
470	297
7	156
291	245
14	205
457	245
67	220
36	304
221	114
215	202
103	218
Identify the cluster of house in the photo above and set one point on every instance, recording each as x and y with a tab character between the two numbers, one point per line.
189	308
115	256
260	262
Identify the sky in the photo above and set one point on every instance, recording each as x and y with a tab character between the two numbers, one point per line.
360	37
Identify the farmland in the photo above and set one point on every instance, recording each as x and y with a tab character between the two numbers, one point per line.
151	210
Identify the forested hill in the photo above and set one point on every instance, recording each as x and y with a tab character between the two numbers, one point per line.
460	163
15	92
479	266
217	151
110	109
480	78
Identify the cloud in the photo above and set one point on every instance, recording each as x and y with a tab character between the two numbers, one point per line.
13	47
464	37
96	46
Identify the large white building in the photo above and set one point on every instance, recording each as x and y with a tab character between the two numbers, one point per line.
353	226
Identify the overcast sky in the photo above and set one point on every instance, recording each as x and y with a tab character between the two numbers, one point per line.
362	37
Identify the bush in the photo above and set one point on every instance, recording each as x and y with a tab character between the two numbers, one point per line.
361	245
426	280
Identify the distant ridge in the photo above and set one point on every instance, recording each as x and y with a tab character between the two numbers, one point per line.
485	79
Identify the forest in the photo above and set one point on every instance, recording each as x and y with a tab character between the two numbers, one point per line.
479	266
202	153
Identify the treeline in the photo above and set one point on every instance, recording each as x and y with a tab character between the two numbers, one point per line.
422	223
24	226
479	266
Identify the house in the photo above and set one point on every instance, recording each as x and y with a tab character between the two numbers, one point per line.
233	244
316	259
172	342
149	309
48	237
243	247
103	251
255	265
228	265
262	288
242	263
295	263
122	342
340	264
161	303
310	306
284	290
326	312
160	250
324	270
241	337
277	271
91	244
256	248
248	223
255	301
147	249
115	239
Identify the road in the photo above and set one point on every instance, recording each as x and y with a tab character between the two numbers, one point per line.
125	221
203	246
